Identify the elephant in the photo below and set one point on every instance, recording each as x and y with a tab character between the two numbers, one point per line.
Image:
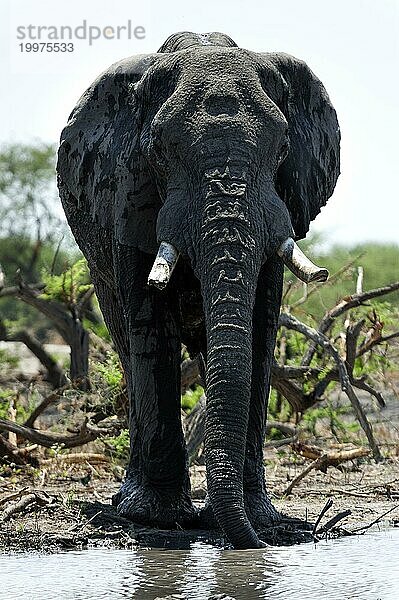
186	175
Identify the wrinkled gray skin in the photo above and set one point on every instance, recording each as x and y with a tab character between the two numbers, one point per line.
221	152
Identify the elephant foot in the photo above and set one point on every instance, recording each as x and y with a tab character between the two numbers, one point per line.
147	506
207	519
260	511
258	507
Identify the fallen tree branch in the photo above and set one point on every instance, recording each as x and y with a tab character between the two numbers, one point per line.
333	522
93	458
377	520
323	511
195	428
283	442
316	464
320	339
335	457
45	403
323	461
12	454
47	439
18	507
189	373
34	498
283	427
13	496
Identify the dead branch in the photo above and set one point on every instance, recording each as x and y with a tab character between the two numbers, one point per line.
12	454
13	496
335	457
12	415
279	443
85	299
316	464
346	304
325	460
285	428
47	439
195	428
291	392
375	341
323	511
359	282
363	385
333	522
69	326
377	520
93	458
54	374
312	289
291	372
319	339
13	290
34	498
350	493
45	403
18	507
351	339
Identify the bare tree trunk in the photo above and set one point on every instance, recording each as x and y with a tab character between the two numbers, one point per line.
68	324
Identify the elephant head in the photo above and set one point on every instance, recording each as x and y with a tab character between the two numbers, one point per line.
222	156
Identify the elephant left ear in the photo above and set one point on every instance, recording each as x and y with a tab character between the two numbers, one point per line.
307	178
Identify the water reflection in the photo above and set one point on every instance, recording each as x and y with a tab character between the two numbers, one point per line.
204	571
363	568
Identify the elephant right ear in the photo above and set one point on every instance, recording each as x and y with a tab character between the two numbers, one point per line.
101	170
307	177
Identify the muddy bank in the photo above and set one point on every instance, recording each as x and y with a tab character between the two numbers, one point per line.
63	506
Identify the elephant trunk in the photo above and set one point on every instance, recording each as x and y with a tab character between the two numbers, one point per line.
228	264
228	387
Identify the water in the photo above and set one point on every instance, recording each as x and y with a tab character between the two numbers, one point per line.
361	568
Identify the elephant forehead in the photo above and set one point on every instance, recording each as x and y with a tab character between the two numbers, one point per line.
208	62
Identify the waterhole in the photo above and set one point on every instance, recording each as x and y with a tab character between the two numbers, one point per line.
362	568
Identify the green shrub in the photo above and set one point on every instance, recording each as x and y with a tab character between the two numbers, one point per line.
119	445
190	398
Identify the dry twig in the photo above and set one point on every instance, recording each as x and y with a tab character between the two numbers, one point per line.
323	461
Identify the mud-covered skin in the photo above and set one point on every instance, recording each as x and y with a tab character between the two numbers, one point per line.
222	153
144	504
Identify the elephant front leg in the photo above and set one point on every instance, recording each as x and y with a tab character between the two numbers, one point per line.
160	496
258	506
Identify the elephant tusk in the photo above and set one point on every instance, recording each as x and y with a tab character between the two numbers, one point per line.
299	264
163	266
